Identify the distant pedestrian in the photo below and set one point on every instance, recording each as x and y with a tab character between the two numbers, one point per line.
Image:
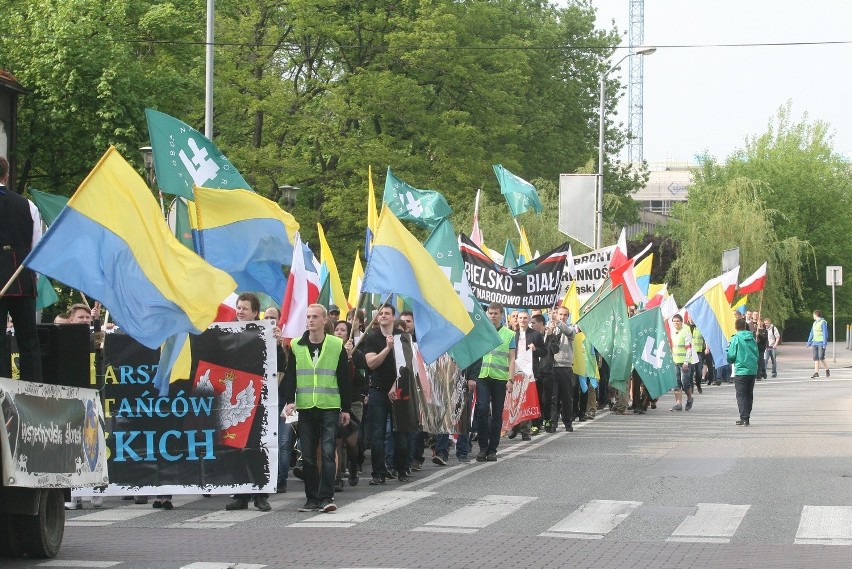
773	337
742	353
817	341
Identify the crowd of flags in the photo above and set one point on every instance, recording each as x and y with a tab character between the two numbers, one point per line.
161	285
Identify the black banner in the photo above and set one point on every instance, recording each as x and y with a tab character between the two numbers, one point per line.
532	285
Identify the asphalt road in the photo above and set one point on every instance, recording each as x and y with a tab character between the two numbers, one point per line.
665	489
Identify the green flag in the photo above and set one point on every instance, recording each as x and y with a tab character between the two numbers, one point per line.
184	157
607	328
324	297
652	358
510	256
424	207
49	205
520	194
45	293
443	245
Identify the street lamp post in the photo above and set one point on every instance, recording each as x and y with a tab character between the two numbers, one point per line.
642	50
288	194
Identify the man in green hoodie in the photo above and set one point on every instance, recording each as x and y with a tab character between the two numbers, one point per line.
742	352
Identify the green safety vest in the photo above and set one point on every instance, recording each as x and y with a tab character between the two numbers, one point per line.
679	346
697	340
817	331
316	384
495	364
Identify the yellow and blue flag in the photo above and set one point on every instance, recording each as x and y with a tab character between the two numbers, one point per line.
112	243
246	235
399	264
711	312
642	272
372	215
338	297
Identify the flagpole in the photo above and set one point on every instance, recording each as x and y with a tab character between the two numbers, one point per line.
208	79
11	279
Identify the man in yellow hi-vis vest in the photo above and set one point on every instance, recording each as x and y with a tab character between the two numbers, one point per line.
682	356
317	379
497	371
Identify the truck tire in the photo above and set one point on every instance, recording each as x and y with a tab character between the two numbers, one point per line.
11	537
44	531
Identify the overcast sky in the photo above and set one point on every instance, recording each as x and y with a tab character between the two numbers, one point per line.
711	98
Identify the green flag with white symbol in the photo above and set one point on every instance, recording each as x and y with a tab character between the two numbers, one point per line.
652	357
184	157
607	328
443	245
424	207
520	194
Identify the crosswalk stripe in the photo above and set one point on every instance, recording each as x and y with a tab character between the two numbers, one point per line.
220	565
827	525
484	512
593	520
365	509
711	523
218	520
109	515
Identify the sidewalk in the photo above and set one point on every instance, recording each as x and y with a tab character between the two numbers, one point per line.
797	355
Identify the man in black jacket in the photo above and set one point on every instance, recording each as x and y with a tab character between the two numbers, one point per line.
20	230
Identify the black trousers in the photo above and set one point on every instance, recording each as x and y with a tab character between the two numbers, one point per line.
563	393
22	311
744	386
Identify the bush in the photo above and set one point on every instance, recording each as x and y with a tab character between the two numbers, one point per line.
798	328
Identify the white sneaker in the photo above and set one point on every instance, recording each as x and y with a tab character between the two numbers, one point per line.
74	504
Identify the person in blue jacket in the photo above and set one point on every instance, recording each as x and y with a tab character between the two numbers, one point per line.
817	341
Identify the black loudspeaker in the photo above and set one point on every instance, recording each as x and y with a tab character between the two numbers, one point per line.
65	354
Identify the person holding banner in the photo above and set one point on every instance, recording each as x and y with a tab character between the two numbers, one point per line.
20	230
317	384
498	369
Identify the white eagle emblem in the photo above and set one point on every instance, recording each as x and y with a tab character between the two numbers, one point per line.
230	413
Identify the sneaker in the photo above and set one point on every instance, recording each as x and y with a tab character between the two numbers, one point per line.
298	472
491	457
513	433
482	456
463	459
815	375
534	431
353	479
641	411
377	481
439	460
97	501
526	437
157	504
327	506
310	506
827	374
774	375
689	404
74	504
569	429
403	478
140	500
282	488
167	505
677	407
653	404
417	465
582	418
391	474
237	504
338	485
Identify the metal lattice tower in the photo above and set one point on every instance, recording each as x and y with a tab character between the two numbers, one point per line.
634	90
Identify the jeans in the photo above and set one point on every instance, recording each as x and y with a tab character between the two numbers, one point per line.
770	355
378	412
285	449
744	386
490	395
563	392
442	446
724	373
318	430
698	369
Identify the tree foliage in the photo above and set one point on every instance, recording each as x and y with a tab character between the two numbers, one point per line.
799	192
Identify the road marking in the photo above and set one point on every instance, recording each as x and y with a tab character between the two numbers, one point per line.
218	520
365	509
109	516
78	563
221	565
825	525
711	523
484	512
593	520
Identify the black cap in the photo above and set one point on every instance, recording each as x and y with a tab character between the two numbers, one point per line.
333	308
